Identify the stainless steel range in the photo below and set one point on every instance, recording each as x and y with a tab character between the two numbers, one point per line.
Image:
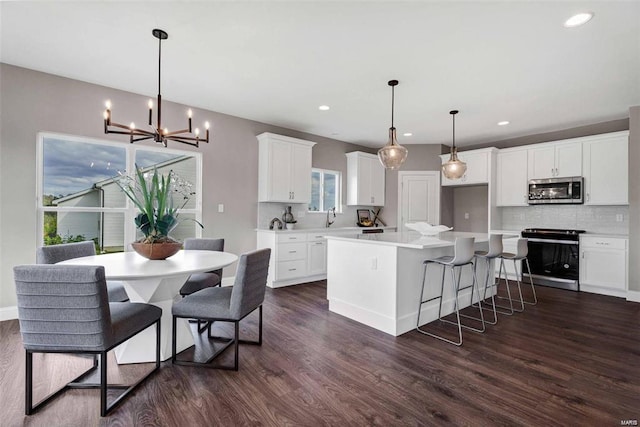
554	257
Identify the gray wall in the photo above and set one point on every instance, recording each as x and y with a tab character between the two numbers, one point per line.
32	102
472	200
634	198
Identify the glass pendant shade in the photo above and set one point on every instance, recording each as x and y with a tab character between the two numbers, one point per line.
392	155
454	168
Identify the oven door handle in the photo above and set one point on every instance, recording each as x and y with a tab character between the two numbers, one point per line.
562	242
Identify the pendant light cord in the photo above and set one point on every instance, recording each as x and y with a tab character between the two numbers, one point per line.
159	61
392	103
454	131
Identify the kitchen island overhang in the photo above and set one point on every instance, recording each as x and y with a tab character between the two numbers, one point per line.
376	279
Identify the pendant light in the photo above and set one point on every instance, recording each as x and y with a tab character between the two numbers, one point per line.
454	168
392	155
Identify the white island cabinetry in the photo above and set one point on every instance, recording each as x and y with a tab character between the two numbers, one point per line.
376	279
284	169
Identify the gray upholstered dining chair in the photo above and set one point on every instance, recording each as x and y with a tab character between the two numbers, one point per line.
65	309
227	304
209	279
57	253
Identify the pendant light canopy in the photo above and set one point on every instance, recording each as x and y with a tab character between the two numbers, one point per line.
454	168
392	155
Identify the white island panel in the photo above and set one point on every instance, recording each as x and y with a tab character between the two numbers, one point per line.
376	279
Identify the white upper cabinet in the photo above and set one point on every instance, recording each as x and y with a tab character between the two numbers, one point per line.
284	169
512	177
478	167
606	169
365	179
557	159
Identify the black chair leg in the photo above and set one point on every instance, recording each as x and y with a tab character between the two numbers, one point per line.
28	398
236	344
173	341
103	384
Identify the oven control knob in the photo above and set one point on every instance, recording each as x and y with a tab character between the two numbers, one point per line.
566	266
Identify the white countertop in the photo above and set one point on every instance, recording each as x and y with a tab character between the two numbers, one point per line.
412	239
326	229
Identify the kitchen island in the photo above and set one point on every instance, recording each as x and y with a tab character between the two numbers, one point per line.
376	279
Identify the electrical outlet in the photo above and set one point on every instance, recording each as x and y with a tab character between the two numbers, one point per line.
374	263
466	215
220	208
301	214
619	217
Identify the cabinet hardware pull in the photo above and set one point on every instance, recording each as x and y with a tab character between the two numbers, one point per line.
292	252
292	269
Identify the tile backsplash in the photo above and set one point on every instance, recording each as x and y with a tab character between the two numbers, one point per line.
594	219
267	211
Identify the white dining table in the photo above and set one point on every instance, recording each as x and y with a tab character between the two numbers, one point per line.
155	282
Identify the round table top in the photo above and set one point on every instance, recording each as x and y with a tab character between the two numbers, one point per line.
131	266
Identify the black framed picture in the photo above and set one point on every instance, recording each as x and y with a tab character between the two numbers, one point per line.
363	214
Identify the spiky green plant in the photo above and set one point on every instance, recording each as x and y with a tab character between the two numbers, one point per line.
158	216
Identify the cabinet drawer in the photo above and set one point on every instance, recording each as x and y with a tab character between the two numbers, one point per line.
290	269
604	243
291	237
316	237
292	251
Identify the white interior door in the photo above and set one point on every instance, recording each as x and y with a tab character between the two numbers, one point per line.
419	197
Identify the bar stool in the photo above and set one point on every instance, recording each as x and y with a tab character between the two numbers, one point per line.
495	250
463	255
522	251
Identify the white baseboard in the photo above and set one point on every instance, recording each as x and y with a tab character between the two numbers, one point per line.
633	296
8	313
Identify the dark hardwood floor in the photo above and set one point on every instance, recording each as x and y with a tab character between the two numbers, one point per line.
574	359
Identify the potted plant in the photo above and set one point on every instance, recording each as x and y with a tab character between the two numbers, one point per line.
152	195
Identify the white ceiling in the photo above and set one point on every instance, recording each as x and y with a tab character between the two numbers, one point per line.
276	62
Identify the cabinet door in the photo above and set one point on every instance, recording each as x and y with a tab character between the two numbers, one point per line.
300	180
377	183
541	162
317	258
606	171
512	178
279	171
477	168
568	159
603	268
364	181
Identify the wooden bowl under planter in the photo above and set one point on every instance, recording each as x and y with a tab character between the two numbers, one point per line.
156	251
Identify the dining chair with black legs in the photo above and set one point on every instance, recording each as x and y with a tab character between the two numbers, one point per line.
65	309
227	304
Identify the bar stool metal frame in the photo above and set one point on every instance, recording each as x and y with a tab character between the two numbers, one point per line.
463	255
495	250
520	255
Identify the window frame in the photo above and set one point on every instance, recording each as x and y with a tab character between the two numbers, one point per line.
338	175
128	210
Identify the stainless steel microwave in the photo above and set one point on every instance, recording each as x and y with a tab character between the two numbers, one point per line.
556	190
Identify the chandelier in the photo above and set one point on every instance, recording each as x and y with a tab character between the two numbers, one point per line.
392	155
160	135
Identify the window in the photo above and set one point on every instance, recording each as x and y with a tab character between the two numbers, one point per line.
78	200
325	190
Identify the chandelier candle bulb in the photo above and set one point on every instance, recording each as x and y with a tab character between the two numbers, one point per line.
190	113
150	103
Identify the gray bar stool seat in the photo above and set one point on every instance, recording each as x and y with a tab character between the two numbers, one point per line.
463	255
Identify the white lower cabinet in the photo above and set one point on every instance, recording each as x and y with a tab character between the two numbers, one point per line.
298	256
603	265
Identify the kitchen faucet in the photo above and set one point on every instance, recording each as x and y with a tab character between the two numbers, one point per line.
328	223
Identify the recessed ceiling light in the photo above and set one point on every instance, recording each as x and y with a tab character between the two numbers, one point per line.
323	108
503	123
578	19
407	134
